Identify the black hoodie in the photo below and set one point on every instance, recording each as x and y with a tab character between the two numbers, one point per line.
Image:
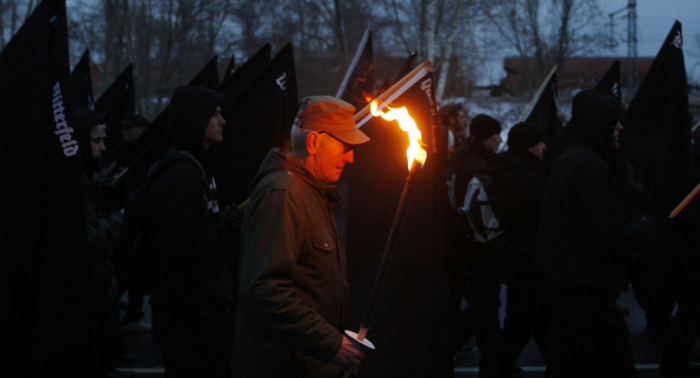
584	240
183	209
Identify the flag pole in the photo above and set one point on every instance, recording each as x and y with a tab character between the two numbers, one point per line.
685	201
532	103
697	125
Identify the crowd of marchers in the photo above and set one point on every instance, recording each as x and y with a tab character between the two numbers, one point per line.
556	234
552	226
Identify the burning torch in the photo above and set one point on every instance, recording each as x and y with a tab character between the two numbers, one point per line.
416	159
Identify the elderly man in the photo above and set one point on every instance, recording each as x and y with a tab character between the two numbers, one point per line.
293	289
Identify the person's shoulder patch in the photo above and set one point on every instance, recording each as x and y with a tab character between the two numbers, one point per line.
284	179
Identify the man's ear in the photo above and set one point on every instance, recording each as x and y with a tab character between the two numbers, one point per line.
312	143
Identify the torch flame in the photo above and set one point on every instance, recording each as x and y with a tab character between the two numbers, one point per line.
414	152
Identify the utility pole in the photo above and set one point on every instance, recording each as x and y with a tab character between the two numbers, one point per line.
632	71
632	68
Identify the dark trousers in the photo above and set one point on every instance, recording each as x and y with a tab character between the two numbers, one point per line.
197	342
527	315
588	336
481	290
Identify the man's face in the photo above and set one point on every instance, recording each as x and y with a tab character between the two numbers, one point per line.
331	157
538	150
97	139
460	125
215	130
616	134
491	143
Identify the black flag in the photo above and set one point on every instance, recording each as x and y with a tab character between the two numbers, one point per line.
119	100
231	67
156	140
260	119
82	83
358	83
243	77
45	316
407	67
610	83
656	140
415	296
209	75
544	112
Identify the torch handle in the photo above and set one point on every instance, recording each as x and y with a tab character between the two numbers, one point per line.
685	202
389	250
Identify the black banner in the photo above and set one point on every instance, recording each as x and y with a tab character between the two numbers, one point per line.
157	139
119	100
411	316
407	67
260	119
244	76
545	111
82	83
209	75
45	316
231	67
610	82
656	141
358	83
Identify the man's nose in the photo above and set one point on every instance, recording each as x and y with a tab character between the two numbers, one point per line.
349	157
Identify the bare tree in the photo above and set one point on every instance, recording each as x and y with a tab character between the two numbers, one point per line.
544	32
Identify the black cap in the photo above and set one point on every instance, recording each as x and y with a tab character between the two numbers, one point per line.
482	127
524	135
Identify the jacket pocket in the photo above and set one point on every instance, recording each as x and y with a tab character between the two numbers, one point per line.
322	240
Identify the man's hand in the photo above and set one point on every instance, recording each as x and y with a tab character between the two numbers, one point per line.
349	354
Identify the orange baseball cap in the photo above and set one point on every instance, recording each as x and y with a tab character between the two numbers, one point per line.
331	115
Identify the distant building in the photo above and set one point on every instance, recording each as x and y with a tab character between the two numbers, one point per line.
577	72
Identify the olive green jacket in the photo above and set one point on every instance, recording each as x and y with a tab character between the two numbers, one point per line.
292	288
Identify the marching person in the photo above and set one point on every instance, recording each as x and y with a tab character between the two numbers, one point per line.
103	232
518	185
293	289
192	292
481	285
584	246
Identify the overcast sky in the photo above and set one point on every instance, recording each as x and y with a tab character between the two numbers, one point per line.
654	21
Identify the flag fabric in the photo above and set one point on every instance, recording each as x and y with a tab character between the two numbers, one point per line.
82	83
243	77
358	83
157	139
231	67
544	112
610	82
209	75
45	315
119	100
260	119
656	140
414	305
407	67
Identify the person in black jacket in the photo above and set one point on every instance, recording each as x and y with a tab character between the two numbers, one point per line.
584	246
481	285
193	289
518	187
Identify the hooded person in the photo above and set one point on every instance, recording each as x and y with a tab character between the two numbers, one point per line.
518	187
293	288
192	288
584	246
103	233
480	282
